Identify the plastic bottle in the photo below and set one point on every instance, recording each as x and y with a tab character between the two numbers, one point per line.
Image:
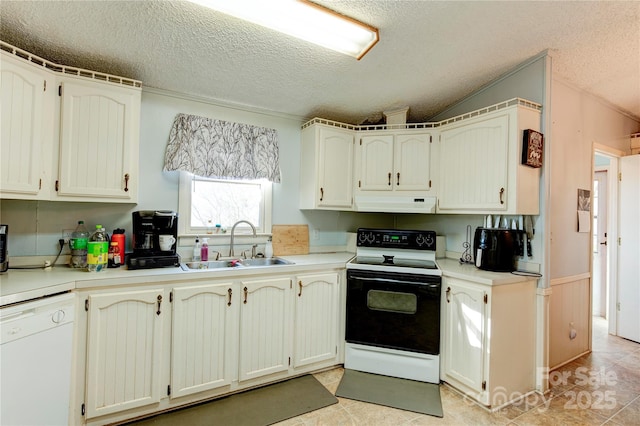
196	251
116	254
114	259
97	250
268	248
204	250
78	244
209	227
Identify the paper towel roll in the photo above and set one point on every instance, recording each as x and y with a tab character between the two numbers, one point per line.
441	246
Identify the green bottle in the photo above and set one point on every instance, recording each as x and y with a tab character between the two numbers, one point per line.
97	250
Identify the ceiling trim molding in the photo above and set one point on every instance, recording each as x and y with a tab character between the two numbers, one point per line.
221	103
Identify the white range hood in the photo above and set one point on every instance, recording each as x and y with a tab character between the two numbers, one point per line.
395	204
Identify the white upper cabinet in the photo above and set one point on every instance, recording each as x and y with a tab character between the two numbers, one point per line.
480	163
375	161
326	168
99	132
24	95
67	134
394	162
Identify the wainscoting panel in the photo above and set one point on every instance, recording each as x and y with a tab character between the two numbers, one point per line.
569	319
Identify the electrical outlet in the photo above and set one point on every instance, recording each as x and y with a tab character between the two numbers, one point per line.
66	234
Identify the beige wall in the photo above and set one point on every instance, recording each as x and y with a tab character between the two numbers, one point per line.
578	121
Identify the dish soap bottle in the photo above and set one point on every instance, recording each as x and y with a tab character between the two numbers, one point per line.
196	251
204	250
268	248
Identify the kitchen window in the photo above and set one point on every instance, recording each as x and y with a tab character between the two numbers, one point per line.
205	203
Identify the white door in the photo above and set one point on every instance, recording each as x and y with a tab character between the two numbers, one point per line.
97	142
600	249
464	333
474	165
629	249
264	327
412	162
316	319
376	163
335	168
22	97
203	338
124	344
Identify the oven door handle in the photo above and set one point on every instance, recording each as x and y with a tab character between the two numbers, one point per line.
390	280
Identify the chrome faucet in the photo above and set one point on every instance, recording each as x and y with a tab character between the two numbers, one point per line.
233	229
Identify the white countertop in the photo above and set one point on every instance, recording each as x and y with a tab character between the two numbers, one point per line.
19	285
453	268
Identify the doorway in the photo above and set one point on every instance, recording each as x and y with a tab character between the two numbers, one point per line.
599	234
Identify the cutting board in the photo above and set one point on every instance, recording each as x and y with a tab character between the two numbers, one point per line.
290	239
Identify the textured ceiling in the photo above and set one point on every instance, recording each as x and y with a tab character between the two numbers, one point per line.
431	53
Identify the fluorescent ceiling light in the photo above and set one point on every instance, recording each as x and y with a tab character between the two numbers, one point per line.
305	20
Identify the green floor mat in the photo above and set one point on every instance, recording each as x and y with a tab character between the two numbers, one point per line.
262	406
404	394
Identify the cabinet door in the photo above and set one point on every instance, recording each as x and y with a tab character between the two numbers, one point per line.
473	164
124	345
464	333
203	339
376	163
316	316
99	132
412	162
23	93
335	168
264	327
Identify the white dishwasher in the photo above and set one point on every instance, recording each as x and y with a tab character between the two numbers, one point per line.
36	343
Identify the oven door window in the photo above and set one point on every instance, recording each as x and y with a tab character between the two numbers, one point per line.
392	301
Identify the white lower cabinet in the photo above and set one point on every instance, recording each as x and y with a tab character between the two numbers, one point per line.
155	347
264	327
124	350
488	339
316	319
203	345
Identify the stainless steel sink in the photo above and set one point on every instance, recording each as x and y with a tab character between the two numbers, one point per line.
265	261
213	264
236	263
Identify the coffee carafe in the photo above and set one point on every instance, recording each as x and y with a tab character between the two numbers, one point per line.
155	236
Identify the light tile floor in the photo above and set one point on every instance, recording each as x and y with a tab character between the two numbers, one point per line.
602	387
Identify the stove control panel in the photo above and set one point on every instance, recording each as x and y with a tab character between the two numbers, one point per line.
401	239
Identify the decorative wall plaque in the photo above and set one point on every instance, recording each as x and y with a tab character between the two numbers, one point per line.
532	148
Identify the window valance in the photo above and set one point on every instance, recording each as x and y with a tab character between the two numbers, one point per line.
220	149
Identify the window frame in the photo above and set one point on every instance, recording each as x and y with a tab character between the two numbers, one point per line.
184	208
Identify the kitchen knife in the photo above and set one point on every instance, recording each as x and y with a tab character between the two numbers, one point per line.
521	236
528	227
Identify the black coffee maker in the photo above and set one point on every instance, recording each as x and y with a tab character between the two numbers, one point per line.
155	236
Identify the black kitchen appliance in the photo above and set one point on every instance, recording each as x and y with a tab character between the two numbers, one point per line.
4	251
496	249
148	226
393	305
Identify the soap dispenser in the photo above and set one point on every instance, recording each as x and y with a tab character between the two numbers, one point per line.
204	250
268	248
196	251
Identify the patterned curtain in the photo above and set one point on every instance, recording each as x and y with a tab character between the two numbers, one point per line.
220	149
